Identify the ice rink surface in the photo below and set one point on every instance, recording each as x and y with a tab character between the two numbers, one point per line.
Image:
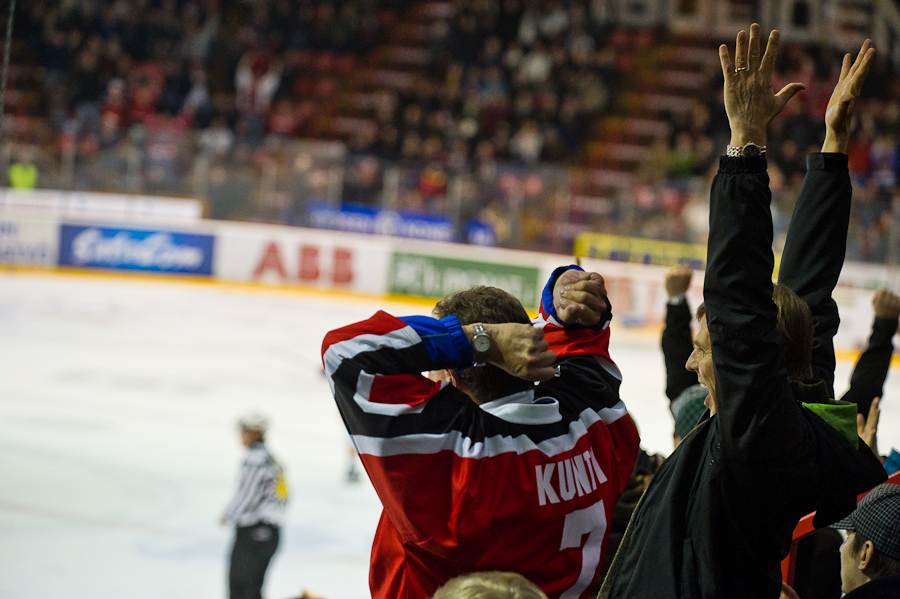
118	446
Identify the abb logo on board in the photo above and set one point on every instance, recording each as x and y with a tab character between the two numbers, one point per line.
314	264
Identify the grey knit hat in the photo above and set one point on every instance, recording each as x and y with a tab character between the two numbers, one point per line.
877	519
687	408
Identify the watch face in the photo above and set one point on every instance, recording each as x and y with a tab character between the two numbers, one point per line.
750	150
481	343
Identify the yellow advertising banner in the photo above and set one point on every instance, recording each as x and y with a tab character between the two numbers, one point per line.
644	251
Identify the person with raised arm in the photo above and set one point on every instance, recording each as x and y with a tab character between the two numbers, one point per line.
477	467
718	517
686	395
871	370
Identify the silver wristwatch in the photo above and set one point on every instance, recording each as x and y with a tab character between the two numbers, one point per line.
481	344
748	150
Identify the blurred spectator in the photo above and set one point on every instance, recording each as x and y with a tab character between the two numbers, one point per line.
884	161
165	139
683	157
23	172
363	182
534	69
197	101
527	143
218	139
256	81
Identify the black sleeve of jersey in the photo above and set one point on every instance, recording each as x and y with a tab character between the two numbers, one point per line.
582	383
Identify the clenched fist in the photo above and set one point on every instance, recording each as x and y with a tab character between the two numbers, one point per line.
580	297
678	280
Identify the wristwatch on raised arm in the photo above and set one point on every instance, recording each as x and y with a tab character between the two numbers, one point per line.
748	150
481	345
677	300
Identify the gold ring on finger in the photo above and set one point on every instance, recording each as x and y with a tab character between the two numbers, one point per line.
736	69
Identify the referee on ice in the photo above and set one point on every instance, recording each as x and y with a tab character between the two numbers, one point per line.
255	511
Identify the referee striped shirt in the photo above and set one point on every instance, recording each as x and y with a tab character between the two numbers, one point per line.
262	492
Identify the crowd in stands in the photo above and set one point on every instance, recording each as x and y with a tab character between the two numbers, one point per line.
494	84
502	86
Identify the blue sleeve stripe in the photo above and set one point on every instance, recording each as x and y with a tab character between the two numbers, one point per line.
444	339
547	294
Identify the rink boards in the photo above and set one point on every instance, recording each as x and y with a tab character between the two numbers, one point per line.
370	265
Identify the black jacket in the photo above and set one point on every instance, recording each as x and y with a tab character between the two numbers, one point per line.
817	236
677	345
798	273
717	519
867	380
880	588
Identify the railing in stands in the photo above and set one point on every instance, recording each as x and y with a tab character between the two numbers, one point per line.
804	529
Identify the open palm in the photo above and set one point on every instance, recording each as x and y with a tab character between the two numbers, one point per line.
843	99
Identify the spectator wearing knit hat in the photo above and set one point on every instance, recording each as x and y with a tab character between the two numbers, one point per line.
866	382
685	393
687	410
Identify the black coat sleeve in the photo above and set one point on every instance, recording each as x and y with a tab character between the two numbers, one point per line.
867	381
758	419
677	347
814	251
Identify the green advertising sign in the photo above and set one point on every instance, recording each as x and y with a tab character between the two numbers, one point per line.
432	276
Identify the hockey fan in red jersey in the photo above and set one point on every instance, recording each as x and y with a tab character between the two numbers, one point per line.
478	469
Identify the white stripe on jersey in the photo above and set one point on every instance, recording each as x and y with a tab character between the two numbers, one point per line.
364	391
464	447
520	408
610	415
338	352
609	367
541	321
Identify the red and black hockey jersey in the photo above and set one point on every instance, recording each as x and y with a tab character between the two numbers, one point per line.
526	483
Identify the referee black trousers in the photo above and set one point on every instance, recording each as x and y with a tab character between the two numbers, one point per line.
254	546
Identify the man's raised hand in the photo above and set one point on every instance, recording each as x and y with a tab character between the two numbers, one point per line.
842	104
521	350
886	304
580	297
867	427
678	280
750	101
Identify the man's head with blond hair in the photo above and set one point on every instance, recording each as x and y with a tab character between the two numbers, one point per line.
490	585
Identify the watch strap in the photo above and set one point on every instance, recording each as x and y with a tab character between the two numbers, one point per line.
479	358
677	300
738	151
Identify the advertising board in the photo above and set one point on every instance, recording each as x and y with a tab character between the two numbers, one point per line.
54	203
365	219
436	276
644	251
153	250
294	256
28	242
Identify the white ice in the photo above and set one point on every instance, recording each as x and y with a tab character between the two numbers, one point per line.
118	448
